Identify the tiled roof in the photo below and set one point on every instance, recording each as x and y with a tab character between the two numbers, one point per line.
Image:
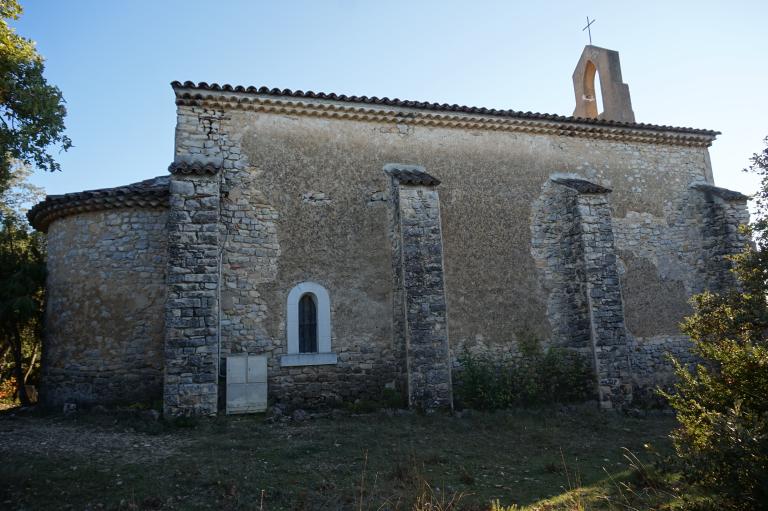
411	174
723	193
151	193
423	105
581	185
196	168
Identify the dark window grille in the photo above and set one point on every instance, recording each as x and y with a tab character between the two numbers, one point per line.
307	324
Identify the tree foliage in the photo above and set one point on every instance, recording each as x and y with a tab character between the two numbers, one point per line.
31	124
22	283
31	111
722	403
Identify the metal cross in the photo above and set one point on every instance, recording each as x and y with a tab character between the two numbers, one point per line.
588	29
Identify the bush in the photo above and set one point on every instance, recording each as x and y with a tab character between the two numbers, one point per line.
722	407
535	377
392	398
722	403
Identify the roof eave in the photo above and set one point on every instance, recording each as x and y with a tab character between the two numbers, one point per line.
200	91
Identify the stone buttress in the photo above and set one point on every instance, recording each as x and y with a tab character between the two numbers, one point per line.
576	237
721	213
191	330
420	315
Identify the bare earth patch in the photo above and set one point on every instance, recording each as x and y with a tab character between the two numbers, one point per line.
59	438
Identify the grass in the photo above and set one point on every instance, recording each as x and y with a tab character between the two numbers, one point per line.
538	459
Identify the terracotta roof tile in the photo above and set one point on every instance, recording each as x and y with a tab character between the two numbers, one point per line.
411	174
151	193
424	105
197	168
723	193
581	185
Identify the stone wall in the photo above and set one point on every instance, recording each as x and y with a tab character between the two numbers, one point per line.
663	261
268	193
281	225
659	261
651	367
104	320
303	198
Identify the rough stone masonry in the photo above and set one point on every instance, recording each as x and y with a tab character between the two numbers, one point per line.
419	278
360	244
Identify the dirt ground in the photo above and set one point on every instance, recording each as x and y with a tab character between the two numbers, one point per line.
65	439
383	460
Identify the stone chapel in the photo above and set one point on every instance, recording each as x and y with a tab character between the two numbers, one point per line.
310	248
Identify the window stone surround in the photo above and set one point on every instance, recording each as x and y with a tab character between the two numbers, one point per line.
324	355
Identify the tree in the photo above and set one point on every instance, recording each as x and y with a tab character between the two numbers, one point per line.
31	111
22	282
31	124
722	403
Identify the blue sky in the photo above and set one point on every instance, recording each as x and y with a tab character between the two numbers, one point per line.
687	63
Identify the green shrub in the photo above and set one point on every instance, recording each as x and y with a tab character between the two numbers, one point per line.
392	398
722	407
497	506
363	406
535	377
389	398
722	403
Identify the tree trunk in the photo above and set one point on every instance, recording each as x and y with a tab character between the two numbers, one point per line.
31	364
18	370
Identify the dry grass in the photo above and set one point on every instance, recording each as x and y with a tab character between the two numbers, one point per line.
535	459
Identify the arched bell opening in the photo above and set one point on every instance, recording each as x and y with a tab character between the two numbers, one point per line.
593	94
599	91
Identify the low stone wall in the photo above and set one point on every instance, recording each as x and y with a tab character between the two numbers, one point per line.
362	372
104	320
651	365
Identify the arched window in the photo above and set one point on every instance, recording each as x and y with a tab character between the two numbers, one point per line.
308	326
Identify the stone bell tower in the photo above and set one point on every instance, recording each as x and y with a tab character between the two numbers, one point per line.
617	105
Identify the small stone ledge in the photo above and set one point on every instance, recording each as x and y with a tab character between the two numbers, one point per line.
194	168
581	185
315	198
723	193
411	174
308	359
